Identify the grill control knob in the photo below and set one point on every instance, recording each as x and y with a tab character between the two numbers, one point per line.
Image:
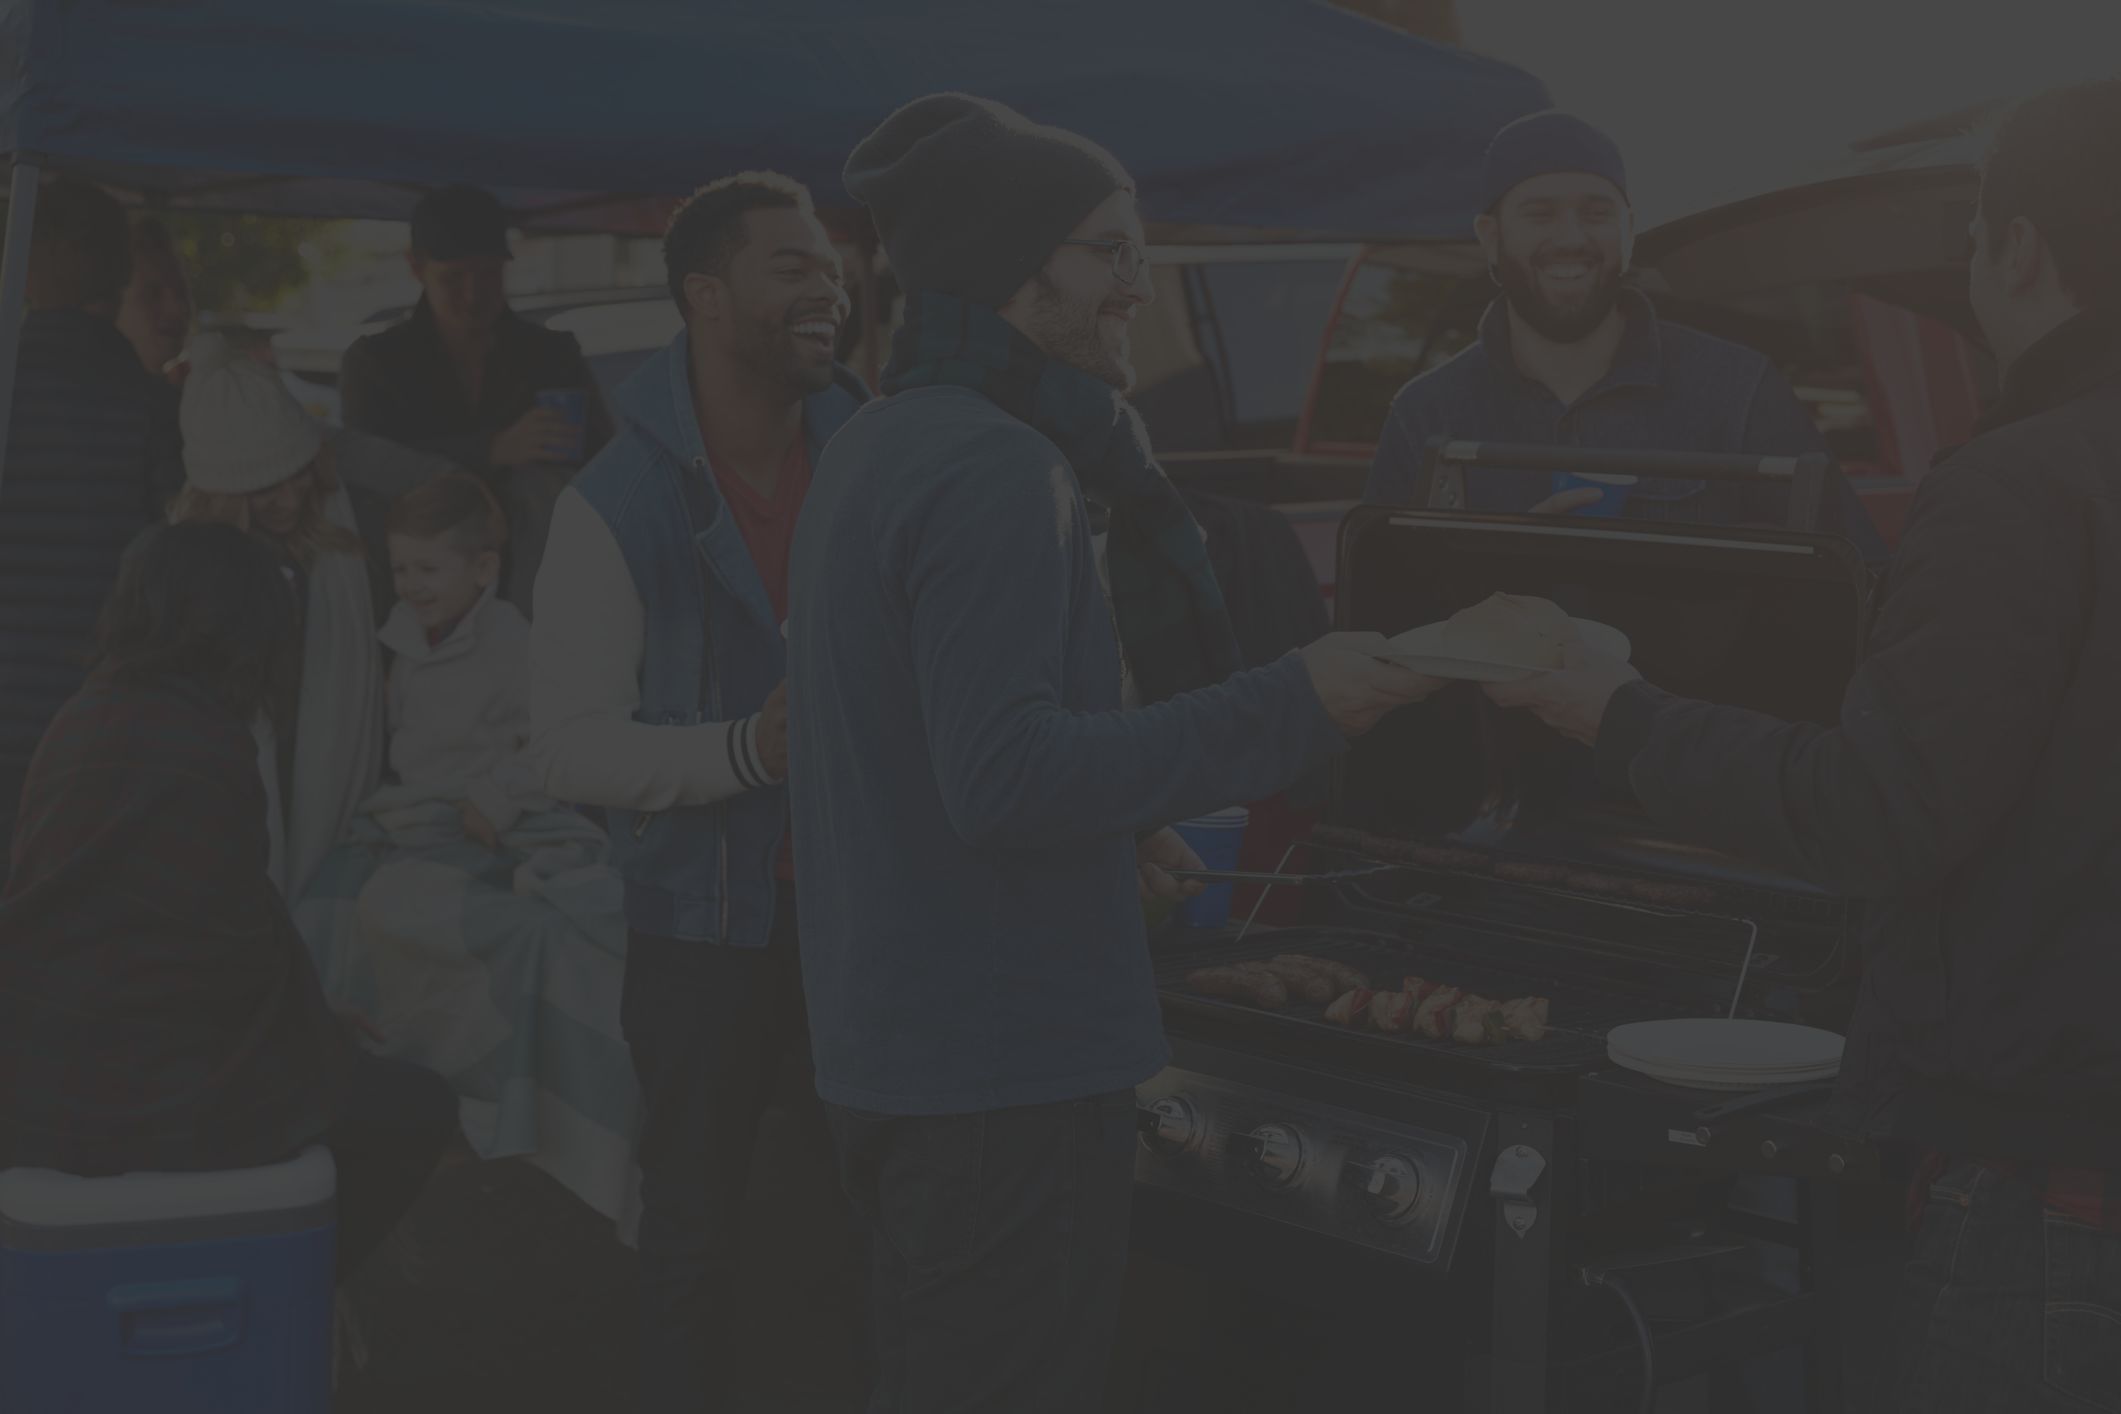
1170	1125
1275	1153
1389	1183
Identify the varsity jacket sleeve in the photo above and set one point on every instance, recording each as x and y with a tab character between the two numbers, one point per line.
991	570
586	642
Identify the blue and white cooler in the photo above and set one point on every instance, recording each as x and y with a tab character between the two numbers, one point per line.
168	1293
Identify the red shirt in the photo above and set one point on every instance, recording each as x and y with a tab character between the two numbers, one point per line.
768	527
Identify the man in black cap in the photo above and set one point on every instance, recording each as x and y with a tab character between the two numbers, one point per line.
462	375
979	793
1569	356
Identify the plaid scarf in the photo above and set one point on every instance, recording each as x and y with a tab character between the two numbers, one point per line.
1173	626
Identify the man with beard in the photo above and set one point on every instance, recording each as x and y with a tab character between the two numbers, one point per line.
1970	794
970	765
463	374
1569	356
657	657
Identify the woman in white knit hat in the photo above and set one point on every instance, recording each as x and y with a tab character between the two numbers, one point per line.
254	459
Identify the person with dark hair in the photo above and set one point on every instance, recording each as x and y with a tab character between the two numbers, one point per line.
1971	795
92	456
656	694
155	315
464	376
1010	667
1569	355
157	1009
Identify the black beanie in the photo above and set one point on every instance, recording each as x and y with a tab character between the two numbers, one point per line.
970	197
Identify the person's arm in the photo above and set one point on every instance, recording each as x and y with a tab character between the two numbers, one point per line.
368	402
1777	425
596	418
1940	728
586	643
988	560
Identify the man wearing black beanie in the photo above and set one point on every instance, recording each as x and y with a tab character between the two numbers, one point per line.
1570	356
968	754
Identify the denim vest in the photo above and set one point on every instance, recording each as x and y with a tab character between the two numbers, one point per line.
712	650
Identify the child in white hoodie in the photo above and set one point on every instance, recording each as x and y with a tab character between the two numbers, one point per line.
458	693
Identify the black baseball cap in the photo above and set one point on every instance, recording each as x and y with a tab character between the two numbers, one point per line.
455	223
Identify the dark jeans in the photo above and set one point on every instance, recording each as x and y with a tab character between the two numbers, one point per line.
998	1244
2008	1308
398	1120
718	1035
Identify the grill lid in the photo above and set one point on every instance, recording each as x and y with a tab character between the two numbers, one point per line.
1773	620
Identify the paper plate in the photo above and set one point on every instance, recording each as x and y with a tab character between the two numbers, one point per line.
1731	1051
1694	1081
1416	649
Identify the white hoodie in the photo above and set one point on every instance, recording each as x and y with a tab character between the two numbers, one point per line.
459	712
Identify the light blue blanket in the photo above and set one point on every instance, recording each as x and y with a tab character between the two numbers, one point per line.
501	971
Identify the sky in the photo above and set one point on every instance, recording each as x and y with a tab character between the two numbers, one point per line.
1716	99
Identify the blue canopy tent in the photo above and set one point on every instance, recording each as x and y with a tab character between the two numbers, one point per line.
1279	115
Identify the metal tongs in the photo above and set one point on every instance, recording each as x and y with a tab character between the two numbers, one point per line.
1252	876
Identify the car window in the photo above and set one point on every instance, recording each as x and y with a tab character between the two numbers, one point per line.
1226	352
1395	324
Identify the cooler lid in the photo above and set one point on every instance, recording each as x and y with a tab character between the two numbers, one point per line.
44	1198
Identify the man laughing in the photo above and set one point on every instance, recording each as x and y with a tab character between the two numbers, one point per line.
1572	357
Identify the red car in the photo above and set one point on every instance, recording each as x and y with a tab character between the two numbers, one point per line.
1268	370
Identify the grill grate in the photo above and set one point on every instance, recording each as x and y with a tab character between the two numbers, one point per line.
1582	1016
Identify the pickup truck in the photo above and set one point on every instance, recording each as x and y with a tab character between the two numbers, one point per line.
1266	370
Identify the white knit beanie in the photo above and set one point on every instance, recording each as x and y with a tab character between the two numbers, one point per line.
243	431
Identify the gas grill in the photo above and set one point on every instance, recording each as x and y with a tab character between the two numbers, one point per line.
1483	1192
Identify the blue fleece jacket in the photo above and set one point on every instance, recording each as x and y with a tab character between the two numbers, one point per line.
966	788
1670	388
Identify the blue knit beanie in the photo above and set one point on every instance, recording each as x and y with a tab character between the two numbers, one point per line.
1543	143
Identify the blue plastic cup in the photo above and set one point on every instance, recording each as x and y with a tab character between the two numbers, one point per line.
572	404
1615	489
1217	839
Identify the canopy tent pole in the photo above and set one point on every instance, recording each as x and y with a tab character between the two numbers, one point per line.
14	287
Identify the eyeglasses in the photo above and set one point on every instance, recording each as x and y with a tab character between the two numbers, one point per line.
1127	257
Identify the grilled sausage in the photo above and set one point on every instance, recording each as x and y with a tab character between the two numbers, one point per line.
1339	973
1303	981
1259	988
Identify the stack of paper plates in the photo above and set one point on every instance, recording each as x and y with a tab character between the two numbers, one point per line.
1713	1053
1424	650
